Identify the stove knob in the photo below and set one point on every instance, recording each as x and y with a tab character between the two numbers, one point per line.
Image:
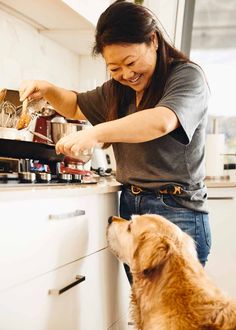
27	177
65	177
43	177
76	177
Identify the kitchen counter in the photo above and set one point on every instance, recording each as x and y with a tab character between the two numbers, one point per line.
23	191
220	183
104	185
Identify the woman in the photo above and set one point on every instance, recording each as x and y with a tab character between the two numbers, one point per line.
153	111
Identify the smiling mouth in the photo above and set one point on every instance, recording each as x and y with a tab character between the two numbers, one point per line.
135	79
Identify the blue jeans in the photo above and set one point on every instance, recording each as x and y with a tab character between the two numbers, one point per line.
194	223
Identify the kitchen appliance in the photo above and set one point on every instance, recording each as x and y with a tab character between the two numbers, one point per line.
24	162
214	154
36	161
101	162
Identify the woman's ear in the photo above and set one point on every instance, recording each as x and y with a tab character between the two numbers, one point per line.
154	40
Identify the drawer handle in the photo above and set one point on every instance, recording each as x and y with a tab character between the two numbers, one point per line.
55	292
67	215
221	198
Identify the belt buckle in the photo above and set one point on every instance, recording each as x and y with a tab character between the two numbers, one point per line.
177	190
136	190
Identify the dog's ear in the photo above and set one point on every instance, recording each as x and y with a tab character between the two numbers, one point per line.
152	252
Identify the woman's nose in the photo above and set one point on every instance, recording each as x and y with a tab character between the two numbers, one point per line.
127	74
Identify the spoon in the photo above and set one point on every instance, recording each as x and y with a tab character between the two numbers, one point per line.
3	93
25	118
41	136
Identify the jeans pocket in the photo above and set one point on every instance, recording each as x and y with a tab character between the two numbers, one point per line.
169	202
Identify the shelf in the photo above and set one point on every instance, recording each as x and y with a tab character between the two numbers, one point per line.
70	23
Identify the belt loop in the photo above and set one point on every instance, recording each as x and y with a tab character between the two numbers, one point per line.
136	190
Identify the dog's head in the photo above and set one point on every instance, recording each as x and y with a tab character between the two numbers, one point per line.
146	242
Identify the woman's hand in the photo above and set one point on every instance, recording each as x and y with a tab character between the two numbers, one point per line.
80	142
62	100
34	89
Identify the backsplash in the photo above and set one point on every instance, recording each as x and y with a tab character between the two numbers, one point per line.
26	54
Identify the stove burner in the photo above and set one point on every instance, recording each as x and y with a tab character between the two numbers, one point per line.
28	171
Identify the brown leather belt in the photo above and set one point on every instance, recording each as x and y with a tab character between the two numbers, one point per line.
172	190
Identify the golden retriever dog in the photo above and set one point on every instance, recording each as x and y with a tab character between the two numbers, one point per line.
170	290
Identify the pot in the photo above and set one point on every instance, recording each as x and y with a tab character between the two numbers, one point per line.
61	129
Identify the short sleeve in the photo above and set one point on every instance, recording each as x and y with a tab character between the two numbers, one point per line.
93	104
187	93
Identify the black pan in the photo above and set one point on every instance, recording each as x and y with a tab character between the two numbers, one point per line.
29	150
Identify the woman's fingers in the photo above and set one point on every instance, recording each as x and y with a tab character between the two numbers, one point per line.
33	89
64	145
28	89
75	143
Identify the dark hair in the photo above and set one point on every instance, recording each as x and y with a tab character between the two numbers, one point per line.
126	22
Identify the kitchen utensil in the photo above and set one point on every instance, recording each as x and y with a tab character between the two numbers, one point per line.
41	136
25	117
8	114
3	93
81	158
34	109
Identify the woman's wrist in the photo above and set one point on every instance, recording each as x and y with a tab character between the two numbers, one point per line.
99	133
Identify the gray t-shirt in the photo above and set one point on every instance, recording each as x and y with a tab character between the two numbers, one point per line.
176	158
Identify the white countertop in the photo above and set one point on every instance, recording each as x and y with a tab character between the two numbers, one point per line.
220	184
23	191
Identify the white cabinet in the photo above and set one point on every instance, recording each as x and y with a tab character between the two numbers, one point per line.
221	263
45	243
42	234
90	305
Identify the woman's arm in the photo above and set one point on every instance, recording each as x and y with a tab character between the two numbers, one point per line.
138	127
64	101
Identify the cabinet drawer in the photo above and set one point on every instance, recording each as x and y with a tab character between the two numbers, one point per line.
221	261
92	304
41	235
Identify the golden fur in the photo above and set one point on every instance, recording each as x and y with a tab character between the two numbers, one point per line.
170	290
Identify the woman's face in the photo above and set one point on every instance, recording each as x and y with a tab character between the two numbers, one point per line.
131	64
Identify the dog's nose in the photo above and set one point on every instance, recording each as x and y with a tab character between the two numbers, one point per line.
110	220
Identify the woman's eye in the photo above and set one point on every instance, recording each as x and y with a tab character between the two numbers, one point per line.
114	70
130	64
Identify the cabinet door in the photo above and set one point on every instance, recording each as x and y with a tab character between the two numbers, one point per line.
221	264
96	303
37	236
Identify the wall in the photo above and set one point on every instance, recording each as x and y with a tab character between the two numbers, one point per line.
26	54
92	72
170	15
